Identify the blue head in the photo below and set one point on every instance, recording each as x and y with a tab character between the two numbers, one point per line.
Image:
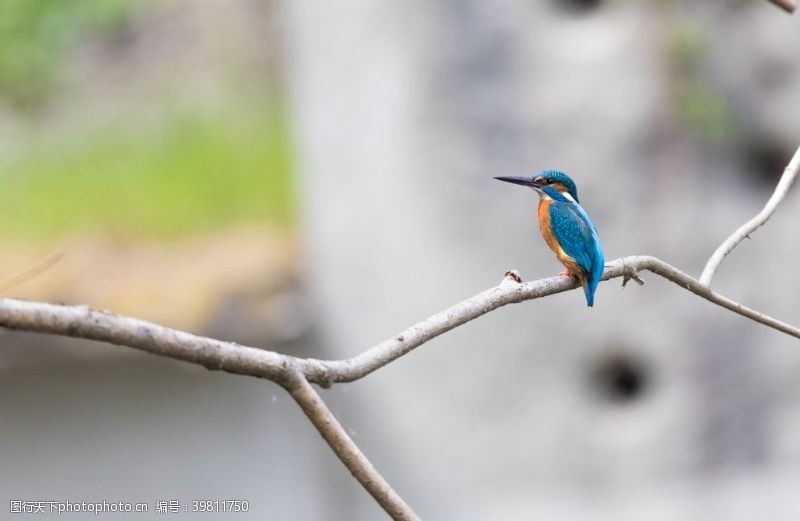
555	183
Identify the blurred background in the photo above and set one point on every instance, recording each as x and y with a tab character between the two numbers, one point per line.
313	177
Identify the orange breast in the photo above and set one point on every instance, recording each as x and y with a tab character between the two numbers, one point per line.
549	238
544	225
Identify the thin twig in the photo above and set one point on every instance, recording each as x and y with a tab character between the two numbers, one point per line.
33	271
346	449
787	5
744	231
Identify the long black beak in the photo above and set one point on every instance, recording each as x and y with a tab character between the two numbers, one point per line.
524	181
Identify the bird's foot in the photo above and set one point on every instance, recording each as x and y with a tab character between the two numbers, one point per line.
567	273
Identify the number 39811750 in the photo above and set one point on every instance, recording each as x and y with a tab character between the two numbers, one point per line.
220	505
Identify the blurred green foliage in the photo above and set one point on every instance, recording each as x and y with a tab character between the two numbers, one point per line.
197	171
701	106
34	35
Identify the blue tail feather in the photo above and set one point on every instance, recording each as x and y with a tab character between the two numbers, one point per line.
593	278
590	288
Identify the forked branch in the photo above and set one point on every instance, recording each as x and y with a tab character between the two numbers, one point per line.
104	326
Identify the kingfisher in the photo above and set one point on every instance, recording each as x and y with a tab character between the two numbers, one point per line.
566	227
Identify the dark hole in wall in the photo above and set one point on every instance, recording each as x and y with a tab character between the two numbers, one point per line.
765	161
578	6
620	378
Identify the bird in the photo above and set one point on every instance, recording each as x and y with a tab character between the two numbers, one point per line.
566	227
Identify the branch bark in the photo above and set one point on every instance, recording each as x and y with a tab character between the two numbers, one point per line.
744	231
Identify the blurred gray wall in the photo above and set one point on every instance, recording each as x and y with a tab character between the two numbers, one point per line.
675	120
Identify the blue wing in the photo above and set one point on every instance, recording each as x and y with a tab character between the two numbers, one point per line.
575	233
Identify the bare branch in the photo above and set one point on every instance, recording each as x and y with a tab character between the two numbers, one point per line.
510	292
753	224
296	374
787	5
104	326
347	451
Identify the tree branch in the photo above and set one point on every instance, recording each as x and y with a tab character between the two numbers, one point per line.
104	326
744	231
510	291
787	5
296	374
346	450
